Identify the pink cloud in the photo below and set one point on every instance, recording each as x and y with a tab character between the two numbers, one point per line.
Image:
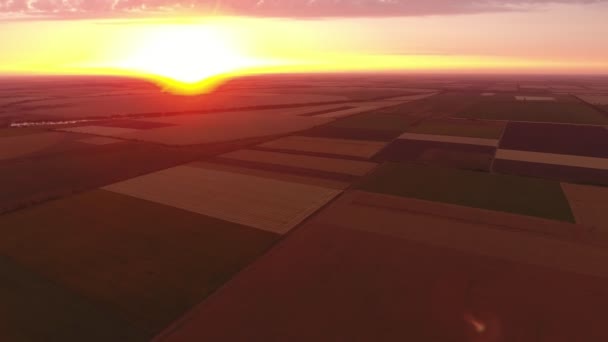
270	8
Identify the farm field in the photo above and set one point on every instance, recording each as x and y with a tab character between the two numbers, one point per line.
535	111
460	128
125	240
527	196
304	208
591	141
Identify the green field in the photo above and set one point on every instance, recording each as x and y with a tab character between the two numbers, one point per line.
519	195
459	129
561	112
140	262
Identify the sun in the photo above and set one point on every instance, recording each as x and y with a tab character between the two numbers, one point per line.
186	59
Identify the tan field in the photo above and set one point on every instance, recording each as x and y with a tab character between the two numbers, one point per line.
263	203
450	139
589	205
287	177
554	159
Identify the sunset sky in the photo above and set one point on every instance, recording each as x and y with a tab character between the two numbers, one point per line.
192	39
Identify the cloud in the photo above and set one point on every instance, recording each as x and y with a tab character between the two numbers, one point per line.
269	8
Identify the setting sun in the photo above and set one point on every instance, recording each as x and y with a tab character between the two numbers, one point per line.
187	58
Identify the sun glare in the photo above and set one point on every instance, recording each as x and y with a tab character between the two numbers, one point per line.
187	58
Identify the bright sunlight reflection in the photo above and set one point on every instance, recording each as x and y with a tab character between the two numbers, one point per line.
187	59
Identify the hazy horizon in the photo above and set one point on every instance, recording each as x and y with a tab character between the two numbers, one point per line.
190	43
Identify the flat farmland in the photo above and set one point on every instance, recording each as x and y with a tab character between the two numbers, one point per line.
446	103
537	111
374	121
462	156
268	204
304	208
35	308
421	290
344	147
460	128
591	141
112	252
330	131
96	106
526	196
329	165
31	180
322	182
548	171
589	205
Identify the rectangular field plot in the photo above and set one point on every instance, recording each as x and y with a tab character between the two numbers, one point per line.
353	148
288	177
374	121
539	111
563	173
554	159
577	140
332	165
460	128
461	156
328	131
449	139
457	214
141	261
267	204
519	195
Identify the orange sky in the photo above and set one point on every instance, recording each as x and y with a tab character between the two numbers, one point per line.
553	39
